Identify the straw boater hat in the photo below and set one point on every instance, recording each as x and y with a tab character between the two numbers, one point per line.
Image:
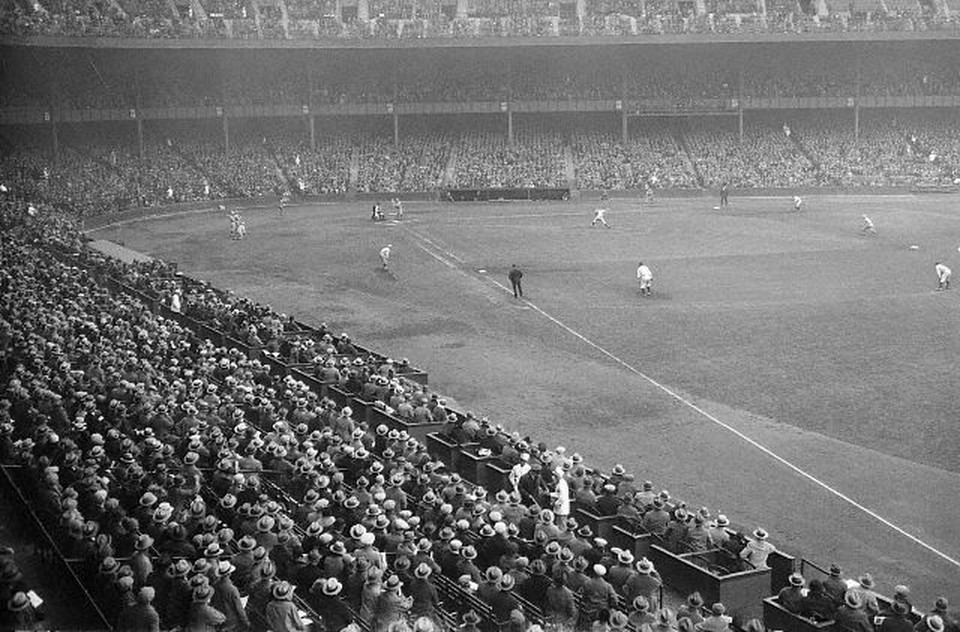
332	587
283	591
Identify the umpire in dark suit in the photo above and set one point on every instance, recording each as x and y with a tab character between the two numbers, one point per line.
515	276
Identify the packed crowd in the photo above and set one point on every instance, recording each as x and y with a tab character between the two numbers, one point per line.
486	160
416	163
652	158
767	157
103	171
199	488
393	19
679	81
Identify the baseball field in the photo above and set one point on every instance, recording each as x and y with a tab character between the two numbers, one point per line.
788	371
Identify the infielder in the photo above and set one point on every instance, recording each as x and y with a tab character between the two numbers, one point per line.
598	217
645	279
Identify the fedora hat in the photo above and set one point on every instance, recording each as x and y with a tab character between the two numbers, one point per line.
283	591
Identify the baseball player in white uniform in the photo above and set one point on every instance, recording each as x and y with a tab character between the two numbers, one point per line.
598	216
867	227
645	279
943	276
385	255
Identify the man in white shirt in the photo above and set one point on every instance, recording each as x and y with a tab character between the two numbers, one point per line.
645	278
943	276
598	217
385	255
561	495
867	227
797	203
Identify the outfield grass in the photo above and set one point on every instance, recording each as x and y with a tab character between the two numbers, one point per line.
827	347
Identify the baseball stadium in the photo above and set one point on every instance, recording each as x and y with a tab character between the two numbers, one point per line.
333	315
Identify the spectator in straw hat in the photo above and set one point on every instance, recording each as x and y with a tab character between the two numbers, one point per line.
20	614
867	594
640	615
941	608
423	592
596	595
325	597
282	614
646	583
791	596
757	549
226	598
850	616
692	609
620	573
391	606
930	623
666	621
504	602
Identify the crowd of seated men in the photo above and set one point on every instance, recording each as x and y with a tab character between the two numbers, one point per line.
485	160
104	172
394	20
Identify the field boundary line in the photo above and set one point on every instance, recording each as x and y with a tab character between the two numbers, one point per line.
713	419
753	442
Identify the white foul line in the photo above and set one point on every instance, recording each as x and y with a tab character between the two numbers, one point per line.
683	400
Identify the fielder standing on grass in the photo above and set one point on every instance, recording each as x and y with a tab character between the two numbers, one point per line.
515	276
385	255
943	276
867	227
645	279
